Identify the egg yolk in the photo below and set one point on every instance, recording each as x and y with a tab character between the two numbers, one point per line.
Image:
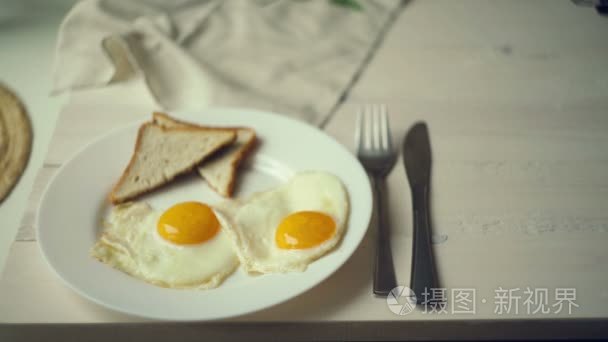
304	229
188	223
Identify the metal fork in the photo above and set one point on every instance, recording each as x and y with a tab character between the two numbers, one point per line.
375	151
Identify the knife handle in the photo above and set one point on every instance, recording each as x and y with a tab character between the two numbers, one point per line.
384	271
424	276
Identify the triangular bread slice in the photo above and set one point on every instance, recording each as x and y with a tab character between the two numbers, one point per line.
163	153
220	169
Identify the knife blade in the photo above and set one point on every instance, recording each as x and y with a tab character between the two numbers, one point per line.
417	160
417	155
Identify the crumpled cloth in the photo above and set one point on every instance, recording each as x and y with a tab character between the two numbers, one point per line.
294	57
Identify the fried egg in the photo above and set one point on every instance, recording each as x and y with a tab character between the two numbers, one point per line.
287	228
183	247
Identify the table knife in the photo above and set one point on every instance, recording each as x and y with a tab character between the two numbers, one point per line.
417	160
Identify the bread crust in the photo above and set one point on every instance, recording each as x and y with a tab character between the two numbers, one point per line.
236	162
157	117
116	200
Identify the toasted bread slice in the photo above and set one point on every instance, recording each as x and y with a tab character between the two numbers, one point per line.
163	153
220	169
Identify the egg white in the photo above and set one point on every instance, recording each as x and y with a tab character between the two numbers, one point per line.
130	243
251	223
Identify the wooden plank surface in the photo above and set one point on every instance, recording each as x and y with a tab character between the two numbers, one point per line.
515	94
526	226
506	52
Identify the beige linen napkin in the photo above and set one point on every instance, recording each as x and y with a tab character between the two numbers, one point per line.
295	57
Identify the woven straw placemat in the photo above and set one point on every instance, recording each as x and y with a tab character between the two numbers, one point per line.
15	140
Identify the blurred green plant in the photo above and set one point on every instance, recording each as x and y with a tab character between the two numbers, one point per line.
352	4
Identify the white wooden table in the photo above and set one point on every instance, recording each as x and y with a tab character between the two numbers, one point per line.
516	97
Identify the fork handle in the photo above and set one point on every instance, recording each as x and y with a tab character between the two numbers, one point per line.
384	271
424	276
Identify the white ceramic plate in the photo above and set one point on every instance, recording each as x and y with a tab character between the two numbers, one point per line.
75	202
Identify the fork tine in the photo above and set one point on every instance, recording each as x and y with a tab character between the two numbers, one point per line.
358	129
362	134
386	133
376	126
367	128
